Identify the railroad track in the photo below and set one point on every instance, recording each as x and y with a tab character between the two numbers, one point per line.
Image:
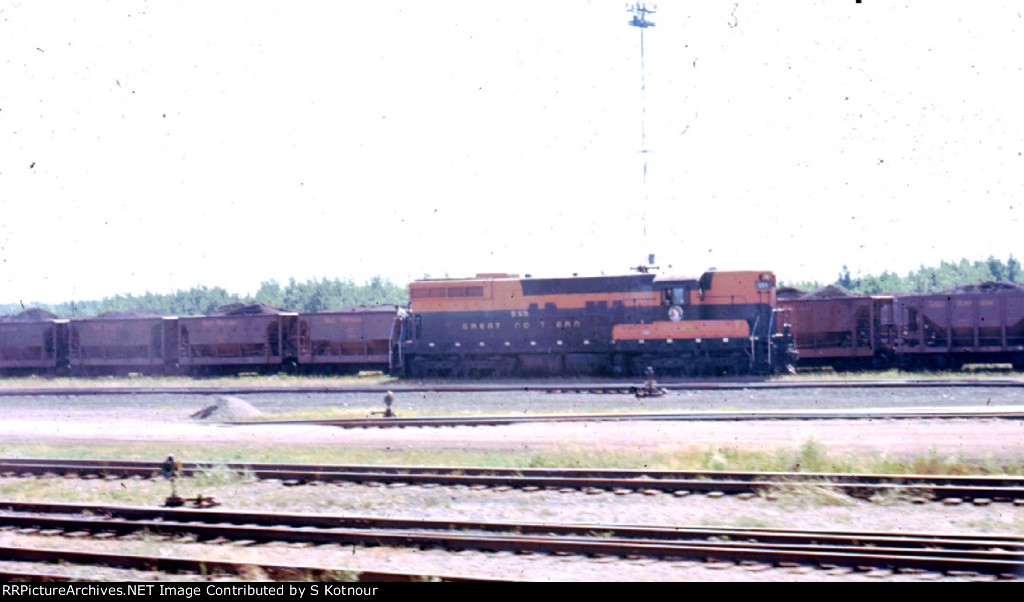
979	488
1001	555
624	387
161	567
746	416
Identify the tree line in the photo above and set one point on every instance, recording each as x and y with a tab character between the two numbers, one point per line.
309	296
947	275
326	294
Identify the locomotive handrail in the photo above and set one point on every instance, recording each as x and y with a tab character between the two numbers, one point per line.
753	344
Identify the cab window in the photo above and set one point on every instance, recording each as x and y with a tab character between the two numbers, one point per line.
674	296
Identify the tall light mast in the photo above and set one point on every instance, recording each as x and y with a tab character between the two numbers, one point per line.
640	20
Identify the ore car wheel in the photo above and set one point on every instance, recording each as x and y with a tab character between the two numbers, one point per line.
881	362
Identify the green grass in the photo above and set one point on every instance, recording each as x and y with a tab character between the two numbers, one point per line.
811	456
970	372
795	496
364	411
241	489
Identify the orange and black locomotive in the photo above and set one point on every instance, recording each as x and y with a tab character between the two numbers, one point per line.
498	324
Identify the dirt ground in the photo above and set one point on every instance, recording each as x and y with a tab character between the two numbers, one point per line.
168	418
970	440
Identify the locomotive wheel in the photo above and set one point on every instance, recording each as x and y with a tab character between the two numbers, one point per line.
415	368
506	367
740	365
639	364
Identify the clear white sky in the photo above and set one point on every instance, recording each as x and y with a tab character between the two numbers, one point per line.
159	145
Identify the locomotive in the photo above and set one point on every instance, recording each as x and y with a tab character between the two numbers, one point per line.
498	324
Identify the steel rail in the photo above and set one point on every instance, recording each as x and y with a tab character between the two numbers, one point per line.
599	543
1001	488
173	565
623	387
637	531
402	469
7	575
992	554
736	416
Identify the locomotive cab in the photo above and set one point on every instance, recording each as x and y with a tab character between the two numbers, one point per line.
720	322
676	291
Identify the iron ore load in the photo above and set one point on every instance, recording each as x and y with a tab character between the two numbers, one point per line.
500	324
